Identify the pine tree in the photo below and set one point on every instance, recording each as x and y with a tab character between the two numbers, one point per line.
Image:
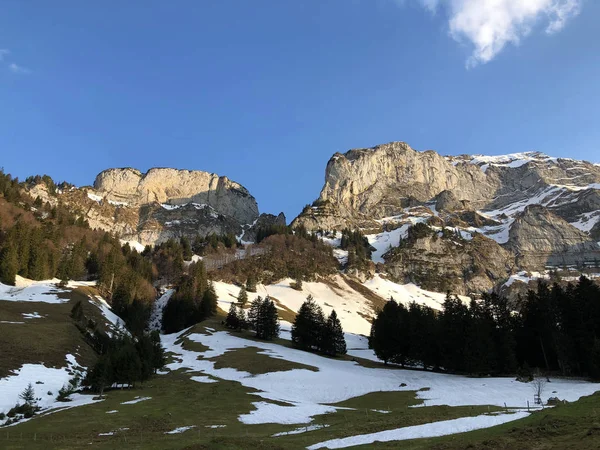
158	355
77	312
101	375
242	297
333	342
307	328
385	339
270	328
243	320
28	395
232	320
9	264
209	302
254	315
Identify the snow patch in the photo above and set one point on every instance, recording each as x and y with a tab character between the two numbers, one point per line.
434	429
180	430
136	400
33	291
301	430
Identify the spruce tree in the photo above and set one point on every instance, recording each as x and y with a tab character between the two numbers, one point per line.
333	342
28	395
232	320
254	315
158	355
307	328
242	297
209	303
385	339
270	327
9	264
243	320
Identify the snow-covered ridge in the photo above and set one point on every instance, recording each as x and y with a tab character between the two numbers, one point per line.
512	160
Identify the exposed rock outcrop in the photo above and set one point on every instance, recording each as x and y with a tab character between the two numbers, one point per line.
178	187
540	239
163	203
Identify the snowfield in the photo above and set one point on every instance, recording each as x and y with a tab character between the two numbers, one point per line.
43	379
407	293
353	308
32	291
311	393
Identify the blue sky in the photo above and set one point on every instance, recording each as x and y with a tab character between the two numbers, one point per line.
266	91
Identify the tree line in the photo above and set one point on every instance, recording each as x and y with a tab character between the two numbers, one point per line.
555	329
194	301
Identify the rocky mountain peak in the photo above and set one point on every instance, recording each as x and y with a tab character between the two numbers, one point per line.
534	205
178	187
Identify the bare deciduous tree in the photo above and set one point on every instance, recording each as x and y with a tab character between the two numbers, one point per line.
539	384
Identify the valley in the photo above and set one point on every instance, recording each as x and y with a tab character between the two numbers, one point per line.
482	257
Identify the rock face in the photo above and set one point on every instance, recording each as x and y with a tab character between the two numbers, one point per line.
489	195
541	239
165	203
451	264
178	187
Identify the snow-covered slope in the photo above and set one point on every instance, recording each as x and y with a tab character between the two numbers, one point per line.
309	393
354	308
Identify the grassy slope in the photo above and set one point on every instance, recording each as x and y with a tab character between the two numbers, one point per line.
575	426
177	401
45	340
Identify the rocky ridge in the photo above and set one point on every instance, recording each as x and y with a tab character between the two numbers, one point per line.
539	211
163	203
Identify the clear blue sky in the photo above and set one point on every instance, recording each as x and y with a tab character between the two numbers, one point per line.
265	91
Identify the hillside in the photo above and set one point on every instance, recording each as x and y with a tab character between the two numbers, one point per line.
40	342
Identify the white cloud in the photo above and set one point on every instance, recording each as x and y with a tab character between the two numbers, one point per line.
3	53
15	68
489	25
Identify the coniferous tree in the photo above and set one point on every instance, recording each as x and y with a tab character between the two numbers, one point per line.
243	320
28	395
9	264
209	302
270	327
242	297
254	315
158	354
385	338
333	342
232	320
307	328
101	375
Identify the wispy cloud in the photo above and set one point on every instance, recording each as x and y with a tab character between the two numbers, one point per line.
15	68
490	25
3	53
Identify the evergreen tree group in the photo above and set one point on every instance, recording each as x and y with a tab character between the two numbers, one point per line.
236	318
358	247
126	360
555	329
312	332
263	318
194	301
